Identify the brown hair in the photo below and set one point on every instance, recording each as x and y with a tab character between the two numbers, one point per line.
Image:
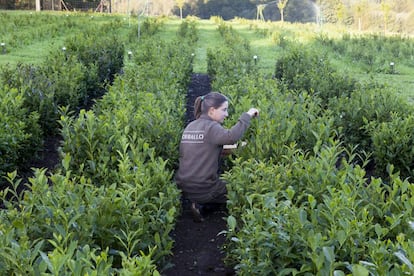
203	103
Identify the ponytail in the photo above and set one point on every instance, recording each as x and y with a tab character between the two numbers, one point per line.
197	107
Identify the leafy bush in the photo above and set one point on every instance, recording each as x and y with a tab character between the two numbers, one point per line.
74	228
307	70
46	87
365	108
313	216
286	120
20	135
393	144
111	207
100	53
188	29
373	52
233	59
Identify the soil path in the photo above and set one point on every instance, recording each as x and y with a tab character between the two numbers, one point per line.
198	246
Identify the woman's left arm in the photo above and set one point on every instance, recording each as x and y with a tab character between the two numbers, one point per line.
221	136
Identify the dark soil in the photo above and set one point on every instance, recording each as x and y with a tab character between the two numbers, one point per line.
199	85
198	247
48	157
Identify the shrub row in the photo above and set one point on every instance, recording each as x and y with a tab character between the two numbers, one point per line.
20	132
71	78
374	52
301	197
21	29
110	207
311	216
233	59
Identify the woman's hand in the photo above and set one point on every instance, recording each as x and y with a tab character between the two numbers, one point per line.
253	112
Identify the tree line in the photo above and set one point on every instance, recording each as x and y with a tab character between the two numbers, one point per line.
388	15
362	13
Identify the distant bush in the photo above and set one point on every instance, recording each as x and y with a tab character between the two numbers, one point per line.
310	71
367	107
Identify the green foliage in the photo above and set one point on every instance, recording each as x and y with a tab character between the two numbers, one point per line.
122	147
20	135
307	70
102	54
19	30
300	201
64	78
367	107
62	229
110	207
286	120
311	216
393	143
373	52
58	82
188	29
233	59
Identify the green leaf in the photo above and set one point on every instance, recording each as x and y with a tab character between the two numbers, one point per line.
45	258
338	273
231	222
312	201
303	216
341	236
66	161
157	238
403	258
329	253
359	270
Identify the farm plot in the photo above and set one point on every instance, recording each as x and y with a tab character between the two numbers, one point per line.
322	187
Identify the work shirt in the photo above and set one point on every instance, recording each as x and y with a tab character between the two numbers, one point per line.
200	149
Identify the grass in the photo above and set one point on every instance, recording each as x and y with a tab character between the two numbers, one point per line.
34	53
209	38
265	40
39	47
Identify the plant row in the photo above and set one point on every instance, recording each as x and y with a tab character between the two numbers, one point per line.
319	188
376	53
22	29
71	78
111	205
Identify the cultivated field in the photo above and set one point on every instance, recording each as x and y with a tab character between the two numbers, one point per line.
323	186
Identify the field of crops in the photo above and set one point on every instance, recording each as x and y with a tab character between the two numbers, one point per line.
323	187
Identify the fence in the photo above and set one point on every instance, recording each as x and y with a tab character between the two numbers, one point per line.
149	7
57	5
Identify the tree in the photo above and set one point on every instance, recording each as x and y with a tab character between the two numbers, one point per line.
340	12
386	10
180	5
360	10
282	5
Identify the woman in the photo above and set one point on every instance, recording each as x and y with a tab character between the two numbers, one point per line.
200	149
